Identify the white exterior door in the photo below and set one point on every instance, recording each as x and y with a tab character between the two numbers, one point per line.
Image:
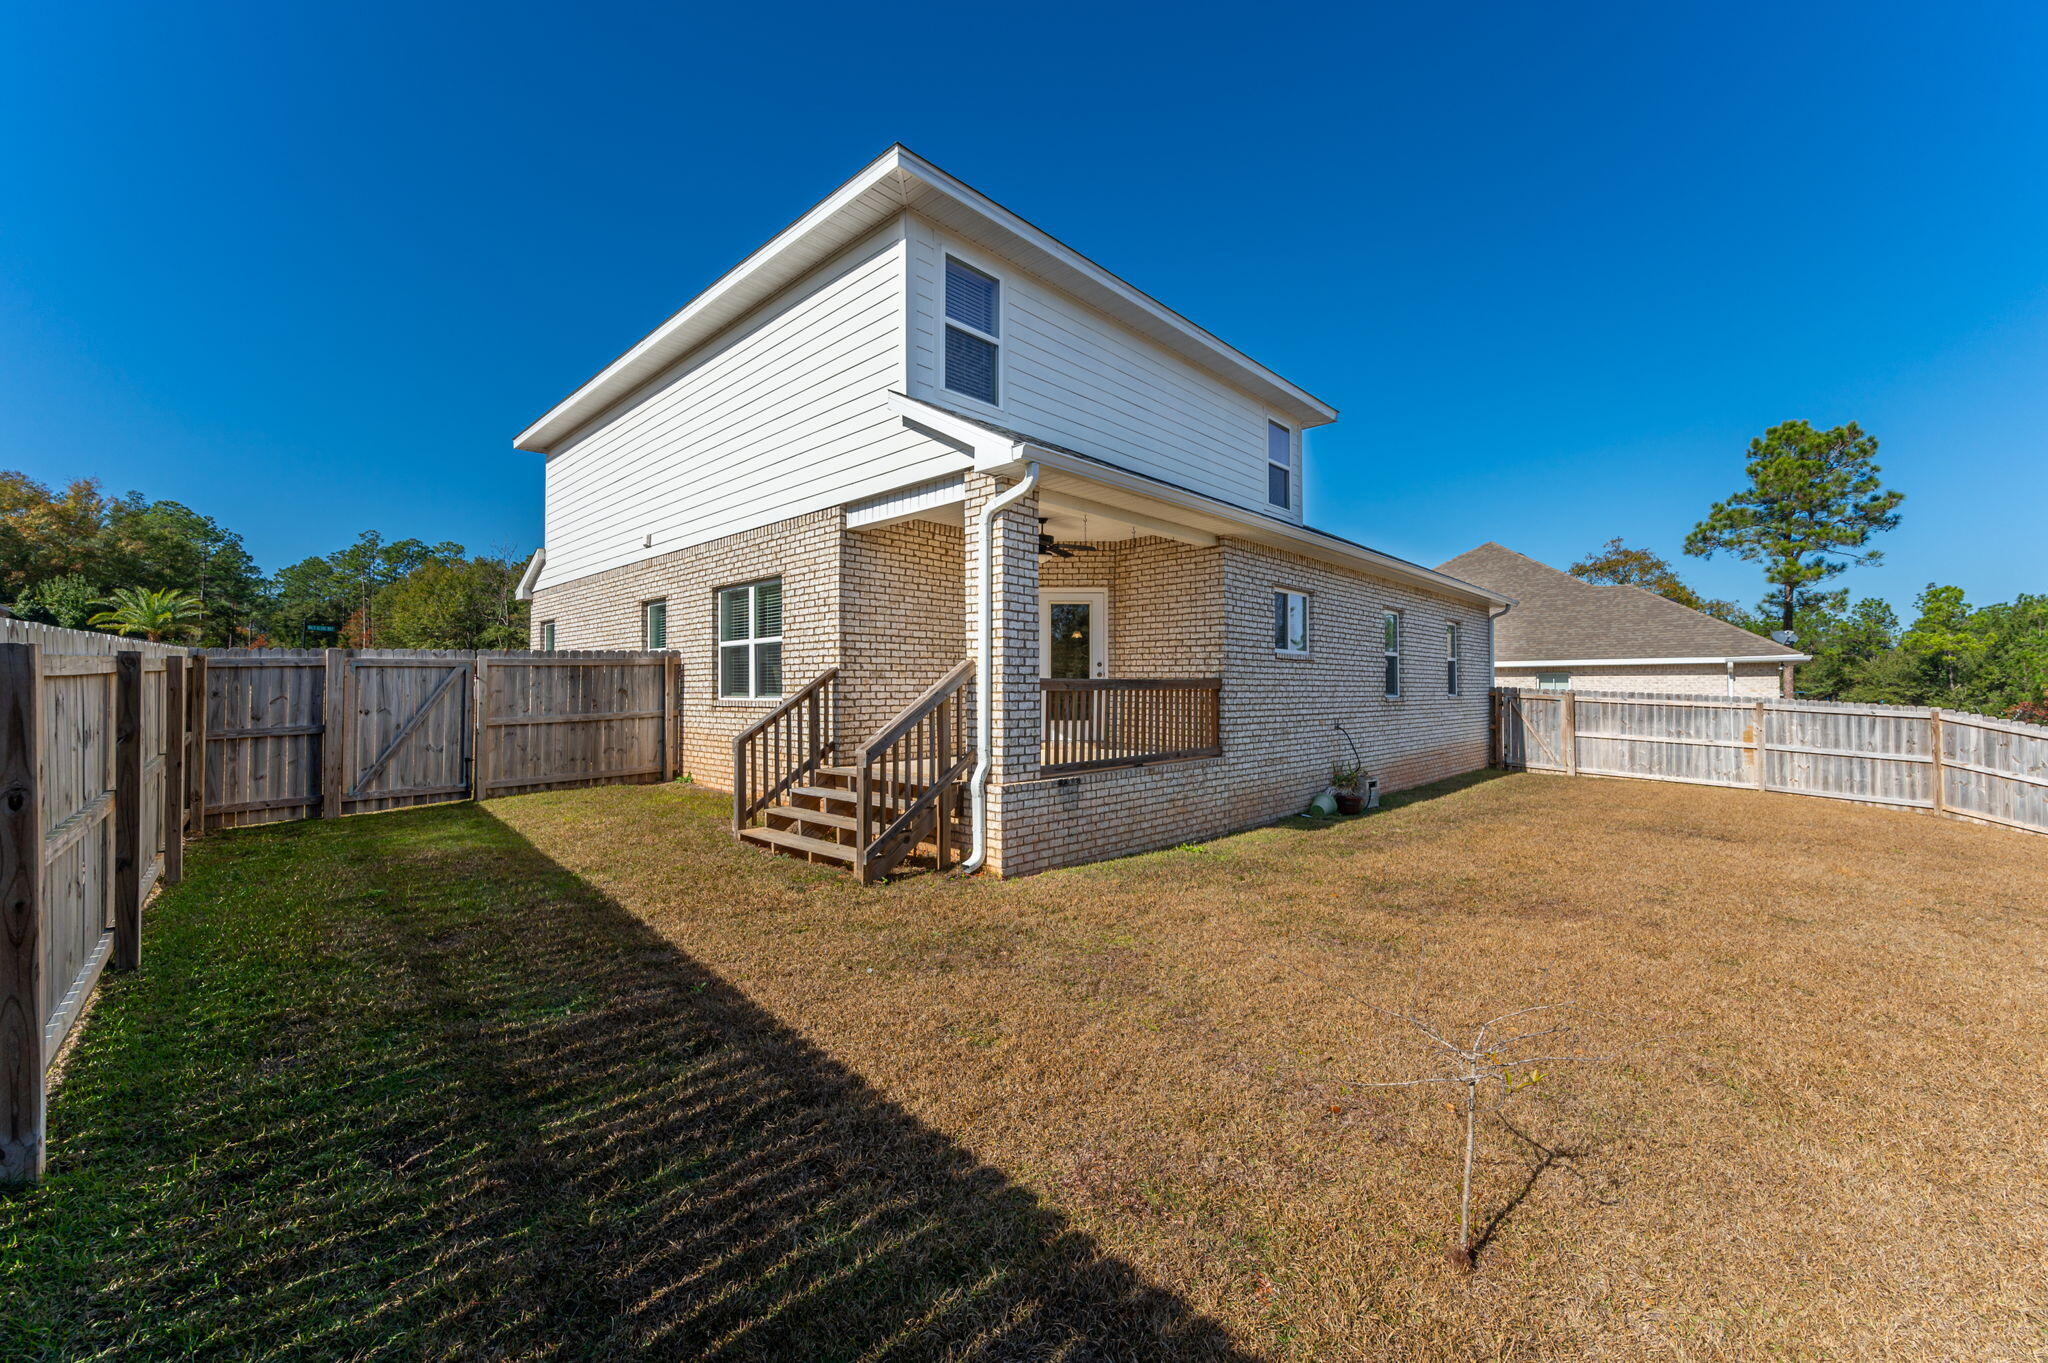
1073	633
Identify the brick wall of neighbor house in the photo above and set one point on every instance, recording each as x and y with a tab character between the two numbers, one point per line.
1278	713
603	611
1760	680
901	617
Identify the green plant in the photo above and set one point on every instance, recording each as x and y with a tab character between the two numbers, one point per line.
151	613
1348	776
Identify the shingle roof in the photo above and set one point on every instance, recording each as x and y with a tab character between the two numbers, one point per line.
1558	617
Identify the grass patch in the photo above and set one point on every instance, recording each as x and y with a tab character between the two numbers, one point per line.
573	1076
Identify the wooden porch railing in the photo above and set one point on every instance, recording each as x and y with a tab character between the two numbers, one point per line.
907	777
1092	723
784	747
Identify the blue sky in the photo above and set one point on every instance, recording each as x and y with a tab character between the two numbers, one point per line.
310	268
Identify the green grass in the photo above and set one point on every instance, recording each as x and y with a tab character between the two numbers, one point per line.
401	1087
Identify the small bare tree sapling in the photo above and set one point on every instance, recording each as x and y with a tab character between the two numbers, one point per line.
1486	1059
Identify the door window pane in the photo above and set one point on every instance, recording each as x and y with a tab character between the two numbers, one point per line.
1072	628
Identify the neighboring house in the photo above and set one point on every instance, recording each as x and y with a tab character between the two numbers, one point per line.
793	476
1566	634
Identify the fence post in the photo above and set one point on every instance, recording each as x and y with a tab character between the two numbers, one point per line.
1493	704
174	769
127	810
480	730
1762	718
21	908
1568	733
670	768
195	776
1934	749
334	734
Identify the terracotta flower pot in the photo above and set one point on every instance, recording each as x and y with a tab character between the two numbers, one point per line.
1350	802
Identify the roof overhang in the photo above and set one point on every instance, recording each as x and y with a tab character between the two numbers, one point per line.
1655	662
896	182
1073	481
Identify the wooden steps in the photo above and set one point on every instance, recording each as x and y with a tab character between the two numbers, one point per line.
816	849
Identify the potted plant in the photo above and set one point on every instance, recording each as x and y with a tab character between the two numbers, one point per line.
1351	785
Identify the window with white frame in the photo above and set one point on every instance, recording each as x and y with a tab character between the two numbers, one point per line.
654	624
1290	623
1390	633
1451	659
750	640
1279	464
974	334
547	636
1553	681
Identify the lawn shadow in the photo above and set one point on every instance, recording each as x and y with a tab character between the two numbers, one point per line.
496	1115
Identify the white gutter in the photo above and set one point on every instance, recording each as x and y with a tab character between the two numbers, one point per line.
1655	662
985	663
524	591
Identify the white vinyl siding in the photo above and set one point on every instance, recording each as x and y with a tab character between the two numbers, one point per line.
749	626
1290	623
784	414
1073	377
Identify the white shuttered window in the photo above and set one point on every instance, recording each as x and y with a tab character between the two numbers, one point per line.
750	640
973	332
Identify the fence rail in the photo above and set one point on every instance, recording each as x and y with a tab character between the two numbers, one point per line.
112	752
1092	723
1947	761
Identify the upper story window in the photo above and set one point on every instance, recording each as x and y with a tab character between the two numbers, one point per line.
1290	623
973	331
654	624
750	640
1390	636
1451	659
1279	464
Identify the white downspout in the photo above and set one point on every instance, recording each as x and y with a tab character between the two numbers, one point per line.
985	663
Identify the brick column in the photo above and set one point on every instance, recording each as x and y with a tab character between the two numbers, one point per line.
1012	689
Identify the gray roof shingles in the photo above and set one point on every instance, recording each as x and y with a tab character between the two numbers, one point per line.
1558	617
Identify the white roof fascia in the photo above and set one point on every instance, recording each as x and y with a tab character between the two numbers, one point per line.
524	591
1653	662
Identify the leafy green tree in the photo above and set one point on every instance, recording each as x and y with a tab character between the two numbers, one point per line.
341	588
45	534
67	601
167	544
459	603
1893	677
1813	498
152	614
1617	564
1842	639
1944	638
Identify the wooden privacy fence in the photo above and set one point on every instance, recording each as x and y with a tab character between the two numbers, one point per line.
95	744
112	752
306	733
1971	766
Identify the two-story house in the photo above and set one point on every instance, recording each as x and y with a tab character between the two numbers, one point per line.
968	544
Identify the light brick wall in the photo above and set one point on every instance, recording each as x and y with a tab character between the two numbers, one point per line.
1278	713
1012	685
901	619
1165	604
1759	680
603	611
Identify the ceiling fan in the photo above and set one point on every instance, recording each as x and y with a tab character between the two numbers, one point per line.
1048	545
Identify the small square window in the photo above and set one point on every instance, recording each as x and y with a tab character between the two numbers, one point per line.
547	636
1553	681
654	624
1290	623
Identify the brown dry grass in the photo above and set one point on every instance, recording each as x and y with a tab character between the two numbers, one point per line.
1826	1138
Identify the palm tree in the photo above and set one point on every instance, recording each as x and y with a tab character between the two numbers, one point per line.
151	613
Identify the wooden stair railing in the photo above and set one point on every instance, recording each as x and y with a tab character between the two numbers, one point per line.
784	747
907	778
